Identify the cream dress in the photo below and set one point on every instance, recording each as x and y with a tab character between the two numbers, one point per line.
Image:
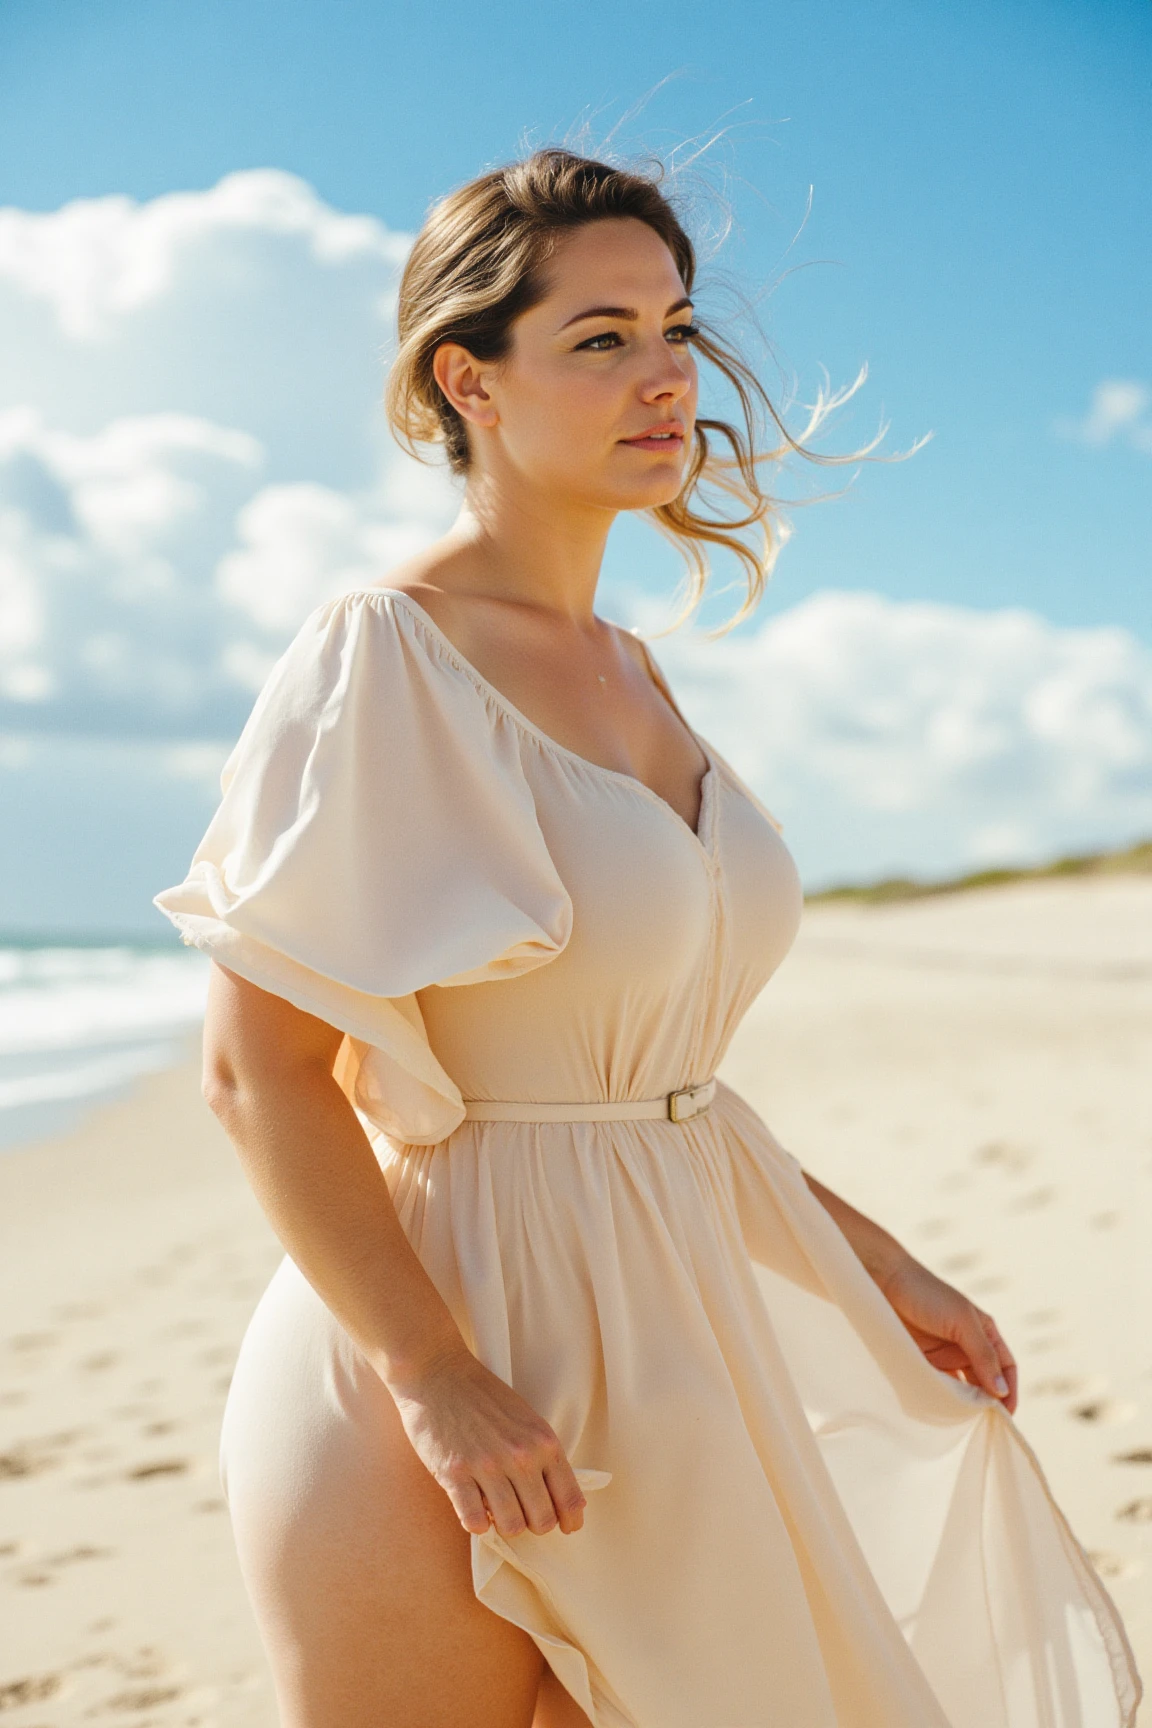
794	1520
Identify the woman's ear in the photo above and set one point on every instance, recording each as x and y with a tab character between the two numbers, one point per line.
464	381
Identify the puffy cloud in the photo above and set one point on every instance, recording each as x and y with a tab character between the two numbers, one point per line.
99	261
108	618
1119	410
892	735
302	544
147	579
192	448
252	304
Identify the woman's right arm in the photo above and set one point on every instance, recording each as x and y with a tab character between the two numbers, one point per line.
268	1079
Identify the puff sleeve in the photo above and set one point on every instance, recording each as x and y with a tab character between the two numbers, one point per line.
376	834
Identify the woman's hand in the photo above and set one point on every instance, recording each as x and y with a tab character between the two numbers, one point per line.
489	1450
955	1335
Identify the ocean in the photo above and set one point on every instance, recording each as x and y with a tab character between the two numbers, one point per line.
79	1023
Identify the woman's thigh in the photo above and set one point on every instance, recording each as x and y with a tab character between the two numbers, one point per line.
358	1570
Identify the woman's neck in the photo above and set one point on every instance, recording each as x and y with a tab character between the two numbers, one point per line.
536	551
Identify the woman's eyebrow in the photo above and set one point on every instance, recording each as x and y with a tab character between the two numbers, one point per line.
628	312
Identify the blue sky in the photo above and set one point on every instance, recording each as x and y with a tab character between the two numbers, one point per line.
978	237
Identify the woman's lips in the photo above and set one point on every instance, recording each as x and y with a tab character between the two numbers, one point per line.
668	441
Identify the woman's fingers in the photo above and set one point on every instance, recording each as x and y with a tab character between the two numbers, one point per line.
566	1494
504	1504
531	1490
545	1493
468	1504
531	1499
1005	1358
983	1353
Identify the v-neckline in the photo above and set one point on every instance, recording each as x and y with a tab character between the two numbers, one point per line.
701	834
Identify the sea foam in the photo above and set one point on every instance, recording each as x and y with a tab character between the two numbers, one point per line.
79	1023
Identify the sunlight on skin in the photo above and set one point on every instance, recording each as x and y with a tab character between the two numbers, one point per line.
552	428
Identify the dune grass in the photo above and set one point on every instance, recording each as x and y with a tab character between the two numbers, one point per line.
1127	860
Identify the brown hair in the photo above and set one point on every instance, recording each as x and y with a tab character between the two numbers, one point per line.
480	261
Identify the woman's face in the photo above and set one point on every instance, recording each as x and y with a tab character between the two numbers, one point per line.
605	357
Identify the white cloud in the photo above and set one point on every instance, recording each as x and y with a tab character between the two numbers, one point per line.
192	447
200	763
147	579
1119	411
99	261
892	735
107	548
251	304
303	544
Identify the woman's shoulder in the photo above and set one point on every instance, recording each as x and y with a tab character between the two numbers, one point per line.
356	630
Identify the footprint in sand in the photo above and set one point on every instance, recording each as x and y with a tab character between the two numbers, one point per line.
1057	1386
1140	1455
97	1364
153	1275
161	1467
960	1262
41	1574
184	1329
30	1457
1137	1511
220	1354
1105	1411
1034	1201
1113	1566
932	1227
999	1154
14	1694
143	1698
33	1341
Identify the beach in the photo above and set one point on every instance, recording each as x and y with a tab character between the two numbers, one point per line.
970	1068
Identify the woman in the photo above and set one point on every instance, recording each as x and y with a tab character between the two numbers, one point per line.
574	1400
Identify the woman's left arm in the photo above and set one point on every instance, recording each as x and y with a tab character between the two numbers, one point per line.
955	1335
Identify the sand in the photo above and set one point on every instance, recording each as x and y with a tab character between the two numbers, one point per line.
972	1069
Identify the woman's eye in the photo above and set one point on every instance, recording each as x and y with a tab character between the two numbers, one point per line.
680	333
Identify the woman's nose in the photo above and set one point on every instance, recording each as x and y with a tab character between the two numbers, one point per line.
669	379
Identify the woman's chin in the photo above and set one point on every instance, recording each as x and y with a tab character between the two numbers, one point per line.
647	492
660	485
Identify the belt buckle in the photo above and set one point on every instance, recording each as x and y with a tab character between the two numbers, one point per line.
682	1104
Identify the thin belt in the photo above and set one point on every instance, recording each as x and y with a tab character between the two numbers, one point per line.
677	1106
